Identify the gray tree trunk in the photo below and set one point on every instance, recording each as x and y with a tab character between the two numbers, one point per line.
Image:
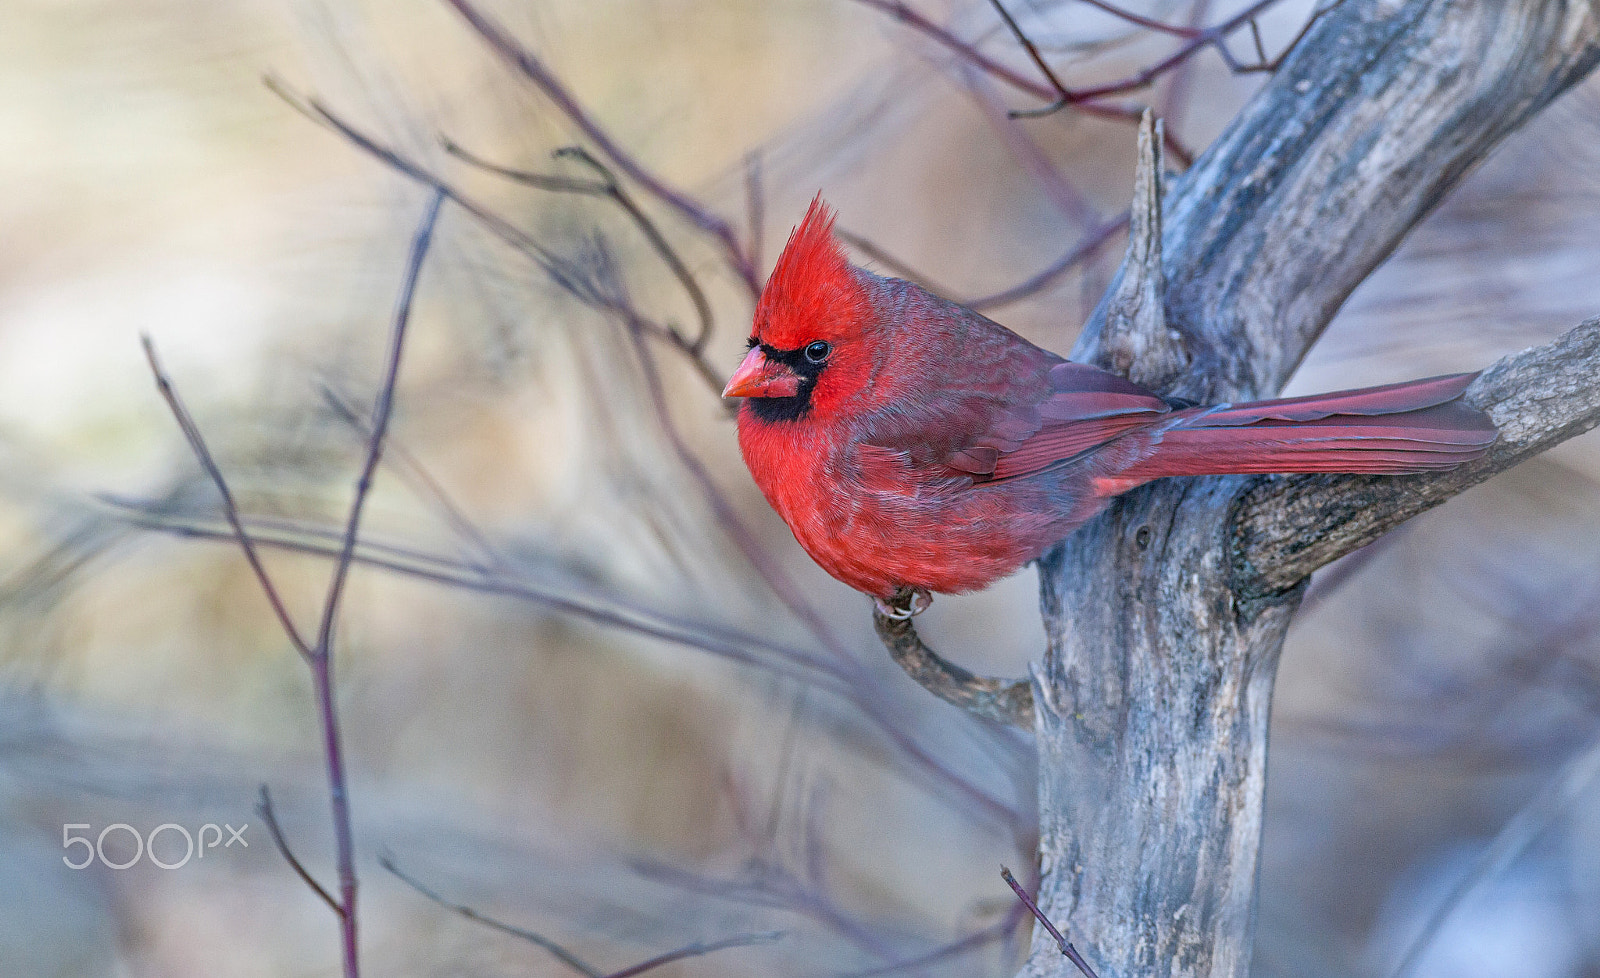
1166	615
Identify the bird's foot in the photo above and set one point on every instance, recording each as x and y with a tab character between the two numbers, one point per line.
904	603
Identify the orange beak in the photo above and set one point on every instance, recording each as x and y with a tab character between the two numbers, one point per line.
759	377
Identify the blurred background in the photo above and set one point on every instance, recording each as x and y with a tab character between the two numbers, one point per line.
589	685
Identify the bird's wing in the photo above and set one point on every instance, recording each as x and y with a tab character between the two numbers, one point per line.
1084	408
1020	412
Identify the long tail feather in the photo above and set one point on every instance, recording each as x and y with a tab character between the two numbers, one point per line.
1419	426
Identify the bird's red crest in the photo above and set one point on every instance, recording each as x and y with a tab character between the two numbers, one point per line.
813	292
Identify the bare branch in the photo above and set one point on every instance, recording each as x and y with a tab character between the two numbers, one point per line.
535	70
557	267
1287	527
264	809
314	110
908	15
608	187
875	252
591	606
1000	700
1067	950
319	657
414	474
769	884
563	955
1082	99
321	660
994	932
566	957
230	508
1082	251
1211	36
697	950
1062	95
382	411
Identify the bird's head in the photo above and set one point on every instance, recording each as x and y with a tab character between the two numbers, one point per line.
813	345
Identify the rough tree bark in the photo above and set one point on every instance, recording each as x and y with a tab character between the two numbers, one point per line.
1166	615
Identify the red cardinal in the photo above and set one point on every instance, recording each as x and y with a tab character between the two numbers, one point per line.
913	445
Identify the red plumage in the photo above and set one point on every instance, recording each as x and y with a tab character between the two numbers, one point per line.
911	443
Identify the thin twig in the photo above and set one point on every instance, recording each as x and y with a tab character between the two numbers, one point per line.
314	110
608	610
382	411
607	186
773	885
1061	942
1138	20
319	657
264	809
755	205
875	253
565	956
909	16
1068	199
1084	249
322	655
536	71
1000	930
558	268
230	508
696	950
423	483
1033	53
1080	98
1264	65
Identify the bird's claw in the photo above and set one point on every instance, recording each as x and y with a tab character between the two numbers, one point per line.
904	603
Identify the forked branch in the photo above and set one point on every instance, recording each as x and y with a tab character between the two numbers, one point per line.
318	656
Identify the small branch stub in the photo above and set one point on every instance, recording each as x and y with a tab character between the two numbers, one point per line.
1136	340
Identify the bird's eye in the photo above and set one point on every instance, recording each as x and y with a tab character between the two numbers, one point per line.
818	351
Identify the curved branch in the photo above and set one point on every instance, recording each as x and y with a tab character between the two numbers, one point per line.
1287	527
1001	700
